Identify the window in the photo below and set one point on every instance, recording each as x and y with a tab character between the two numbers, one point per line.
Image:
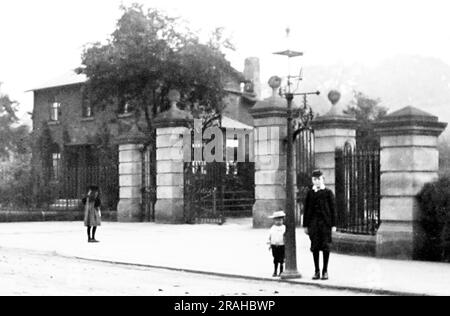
55	111
56	158
56	162
86	105
125	107
88	111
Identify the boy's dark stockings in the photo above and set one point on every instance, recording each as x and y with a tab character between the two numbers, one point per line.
316	255
326	259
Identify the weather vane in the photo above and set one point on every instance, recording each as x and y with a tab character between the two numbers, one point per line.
290	54
302	116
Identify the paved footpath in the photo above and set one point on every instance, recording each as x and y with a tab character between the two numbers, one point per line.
24	272
234	249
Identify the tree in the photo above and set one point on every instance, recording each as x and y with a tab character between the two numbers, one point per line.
14	138
367	111
16	185
444	154
148	54
434	217
151	53
15	153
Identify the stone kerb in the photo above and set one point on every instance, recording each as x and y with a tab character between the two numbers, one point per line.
171	126
409	159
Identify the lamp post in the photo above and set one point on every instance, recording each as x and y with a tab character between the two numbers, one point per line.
291	271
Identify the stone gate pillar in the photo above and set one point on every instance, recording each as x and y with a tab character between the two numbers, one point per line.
332	131
409	159
270	155
171	127
131	144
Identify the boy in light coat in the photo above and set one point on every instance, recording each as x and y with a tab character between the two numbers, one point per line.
277	241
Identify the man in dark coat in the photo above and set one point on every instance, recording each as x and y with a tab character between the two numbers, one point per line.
320	221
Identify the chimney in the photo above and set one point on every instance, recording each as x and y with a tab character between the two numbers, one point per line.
252	73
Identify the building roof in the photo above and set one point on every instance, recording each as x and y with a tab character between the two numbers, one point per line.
72	78
410	111
228	122
69	78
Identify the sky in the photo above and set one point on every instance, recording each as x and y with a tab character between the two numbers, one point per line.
41	40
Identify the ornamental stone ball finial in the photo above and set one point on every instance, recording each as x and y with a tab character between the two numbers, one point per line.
174	96
275	84
334	96
173	117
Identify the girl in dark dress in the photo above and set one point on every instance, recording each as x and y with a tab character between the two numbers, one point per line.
92	212
320	222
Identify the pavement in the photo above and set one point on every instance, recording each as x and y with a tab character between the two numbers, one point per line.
234	250
25	273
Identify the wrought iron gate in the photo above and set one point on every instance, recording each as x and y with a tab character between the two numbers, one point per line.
201	182
304	152
358	188
73	182
148	184
213	191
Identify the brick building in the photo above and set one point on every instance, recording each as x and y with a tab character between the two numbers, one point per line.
71	137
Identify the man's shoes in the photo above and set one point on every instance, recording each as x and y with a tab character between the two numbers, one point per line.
316	276
274	275
90	240
325	276
95	241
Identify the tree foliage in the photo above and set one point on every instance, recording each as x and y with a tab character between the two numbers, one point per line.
444	155
366	110
105	145
14	138
150	53
15	153
16	185
434	201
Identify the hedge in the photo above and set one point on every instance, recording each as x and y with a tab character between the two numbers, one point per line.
434	201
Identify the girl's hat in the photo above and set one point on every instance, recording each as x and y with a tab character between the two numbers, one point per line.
93	188
279	214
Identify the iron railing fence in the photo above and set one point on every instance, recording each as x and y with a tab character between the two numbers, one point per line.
66	191
358	189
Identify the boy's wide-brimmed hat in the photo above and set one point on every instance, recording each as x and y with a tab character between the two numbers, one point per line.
279	214
317	174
